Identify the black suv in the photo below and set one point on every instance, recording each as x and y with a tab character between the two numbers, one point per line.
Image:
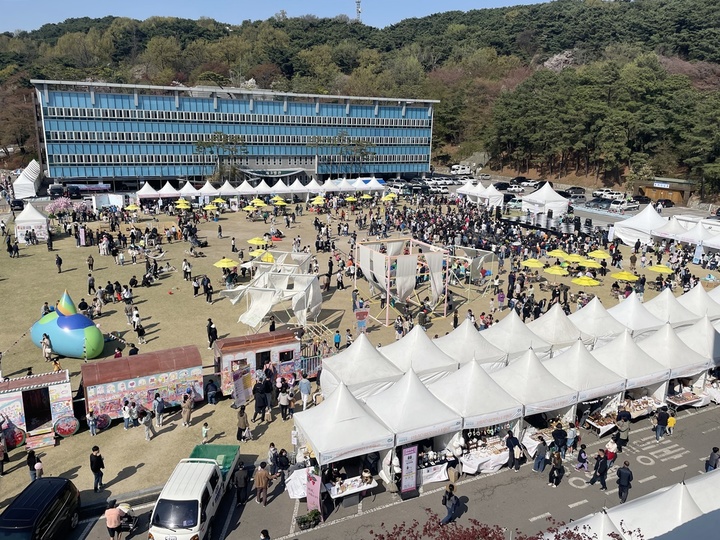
45	509
17	204
518	180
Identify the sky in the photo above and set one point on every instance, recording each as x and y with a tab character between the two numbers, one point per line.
29	15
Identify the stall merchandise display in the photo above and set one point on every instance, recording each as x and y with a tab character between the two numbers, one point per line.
349	487
642	406
485	457
684	399
601	424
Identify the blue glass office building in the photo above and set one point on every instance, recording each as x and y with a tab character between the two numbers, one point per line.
121	131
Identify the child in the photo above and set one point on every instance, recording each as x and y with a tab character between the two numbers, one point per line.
205	432
38	468
582	459
671	423
291	404
348	338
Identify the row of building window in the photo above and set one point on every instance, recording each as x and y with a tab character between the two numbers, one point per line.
236	118
209	160
194	138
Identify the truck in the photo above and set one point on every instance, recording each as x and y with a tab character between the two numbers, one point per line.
460	169
189	501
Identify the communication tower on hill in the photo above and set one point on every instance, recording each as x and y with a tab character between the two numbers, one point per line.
358	11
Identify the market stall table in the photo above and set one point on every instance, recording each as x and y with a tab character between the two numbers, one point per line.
601	425
687	399
642	406
432	473
350	490
484	460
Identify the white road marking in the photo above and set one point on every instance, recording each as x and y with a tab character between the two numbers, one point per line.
230	515
612	491
541	516
359	512
296	509
678	468
711	430
576	504
653	477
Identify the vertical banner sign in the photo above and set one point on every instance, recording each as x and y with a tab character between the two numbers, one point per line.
409	469
312	490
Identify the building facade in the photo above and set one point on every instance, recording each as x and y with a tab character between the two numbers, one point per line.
120	131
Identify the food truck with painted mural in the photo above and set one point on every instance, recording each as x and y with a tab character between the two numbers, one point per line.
237	359
171	373
36	408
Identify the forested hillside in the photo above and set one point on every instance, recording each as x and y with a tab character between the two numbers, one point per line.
628	85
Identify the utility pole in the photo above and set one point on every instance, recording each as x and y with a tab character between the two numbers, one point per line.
358	11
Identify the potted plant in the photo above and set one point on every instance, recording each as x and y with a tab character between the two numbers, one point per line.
309	520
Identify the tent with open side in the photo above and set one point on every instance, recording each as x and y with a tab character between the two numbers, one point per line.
25	186
595	320
639	226
665	306
412	412
634	316
699	302
699	234
341	427
530	382
361	367
671	229
623	356
702	337
475	396
666	347
208	190
374	185
492	197
466	188
465	344
557	329
147	192
31	219
544	199
226	190
188	190
245	189
167	191
417	352
514	337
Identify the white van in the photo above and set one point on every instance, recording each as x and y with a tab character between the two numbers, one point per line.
187	504
460	169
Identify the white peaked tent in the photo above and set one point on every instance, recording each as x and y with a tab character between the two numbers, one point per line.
188	190
412	412
529	381
557	329
704	489
631	313
703	338
600	525
374	185
208	190
669	350
595	320
639	226
466	188
700	303
418	353
671	229
341	427
544	199
25	186
263	189
675	504
623	356
476	192
31	219
168	191
297	187
514	337
358	184
714	294
475	396
581	371
345	186
147	192
314	187
465	344
226	190
245	189
699	234
492	196
667	308
361	367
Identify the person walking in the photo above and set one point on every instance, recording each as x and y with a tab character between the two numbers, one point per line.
305	389
284	402
90	262
58	263
31	461
186	270
623	434
260	401
450	502
557	471
264	535
126	414
560	438
209	293
158	408
540	455
600	470
625	477
91	284
662	422
243	425
514	451
711	462
272	458
240	479
195	286
92	423
262	482
212	333
97	464
582	459
186	410
146	421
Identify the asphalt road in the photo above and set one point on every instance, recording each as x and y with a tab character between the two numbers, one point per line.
514	500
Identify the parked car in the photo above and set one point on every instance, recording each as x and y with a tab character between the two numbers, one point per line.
623	206
516	189
541	183
501	186
600	192
530	183
507	197
576	190
642	199
563	193
17	204
515	204
484	176
578	199
45	509
518	180
604	204
613	196
667	203
593	203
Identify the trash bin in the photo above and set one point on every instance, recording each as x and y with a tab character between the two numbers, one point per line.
549	214
588	222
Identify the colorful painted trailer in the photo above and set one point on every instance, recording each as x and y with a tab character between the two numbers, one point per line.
39	406
170	372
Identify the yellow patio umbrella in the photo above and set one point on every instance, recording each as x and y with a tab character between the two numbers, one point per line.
366	196
586	281
532	263
660	269
624	276
277	198
279	203
557	253
557	271
589	263
182	201
257	241
132	207
219	200
267	257
257	253
318	202
600	254
257	202
249	208
386	198
210	207
391	195
319	198
225	263
574	258
350	199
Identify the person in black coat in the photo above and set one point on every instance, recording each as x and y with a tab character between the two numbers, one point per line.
601	470
625	477
260	402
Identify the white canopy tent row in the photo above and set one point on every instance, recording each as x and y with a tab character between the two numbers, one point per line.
226	190
167	191
666	347
545	199
671	229
594	320
491	197
515	338
690	509
25	186
640	226
208	190
665	306
699	302
465	344
634	316
188	190
147	192
558	330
